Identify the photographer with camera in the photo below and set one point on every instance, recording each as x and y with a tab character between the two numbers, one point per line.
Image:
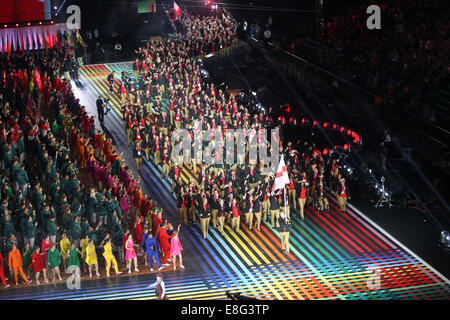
100	109
111	81
101	106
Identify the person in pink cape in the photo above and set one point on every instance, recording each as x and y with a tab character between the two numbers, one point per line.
124	203
176	248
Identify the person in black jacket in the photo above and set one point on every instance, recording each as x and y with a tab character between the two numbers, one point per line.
163	123
221	213
284	232
214	201
249	210
137	154
205	216
274	209
257	208
322	197
146	144
191	207
182	206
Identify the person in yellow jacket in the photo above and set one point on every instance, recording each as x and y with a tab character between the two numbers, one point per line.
84	244
15	263
65	246
108	255
91	258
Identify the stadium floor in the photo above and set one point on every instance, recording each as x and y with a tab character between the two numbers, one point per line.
333	256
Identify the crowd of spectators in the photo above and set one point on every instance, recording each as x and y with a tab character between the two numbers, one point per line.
406	60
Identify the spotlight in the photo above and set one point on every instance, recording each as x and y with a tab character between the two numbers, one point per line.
445	239
28	24
325	124
385	195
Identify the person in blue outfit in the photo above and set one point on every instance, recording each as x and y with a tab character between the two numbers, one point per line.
151	248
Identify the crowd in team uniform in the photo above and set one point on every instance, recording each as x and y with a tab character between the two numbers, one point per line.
67	199
167	76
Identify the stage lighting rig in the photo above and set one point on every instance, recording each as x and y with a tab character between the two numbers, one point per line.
444	240
384	194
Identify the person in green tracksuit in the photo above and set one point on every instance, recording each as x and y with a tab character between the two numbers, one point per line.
8	154
44	214
73	253
115	167
54	260
22	180
74	260
118	242
84	227
14	173
52	228
20	149
54	127
92	233
72	186
91	204
75	231
77	195
8	226
30	229
27	253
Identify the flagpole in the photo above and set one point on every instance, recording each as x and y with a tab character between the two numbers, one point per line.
285	207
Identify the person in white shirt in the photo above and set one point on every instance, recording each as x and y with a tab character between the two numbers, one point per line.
160	287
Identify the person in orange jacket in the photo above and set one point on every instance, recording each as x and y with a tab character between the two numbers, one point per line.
2	272
15	263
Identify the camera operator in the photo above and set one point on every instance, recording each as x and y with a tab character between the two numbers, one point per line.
111	81
74	69
100	109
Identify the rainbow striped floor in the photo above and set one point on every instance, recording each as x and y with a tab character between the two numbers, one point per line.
333	256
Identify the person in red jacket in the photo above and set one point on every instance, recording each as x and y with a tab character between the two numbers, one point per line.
163	239
2	272
157	220
37	263
138	232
